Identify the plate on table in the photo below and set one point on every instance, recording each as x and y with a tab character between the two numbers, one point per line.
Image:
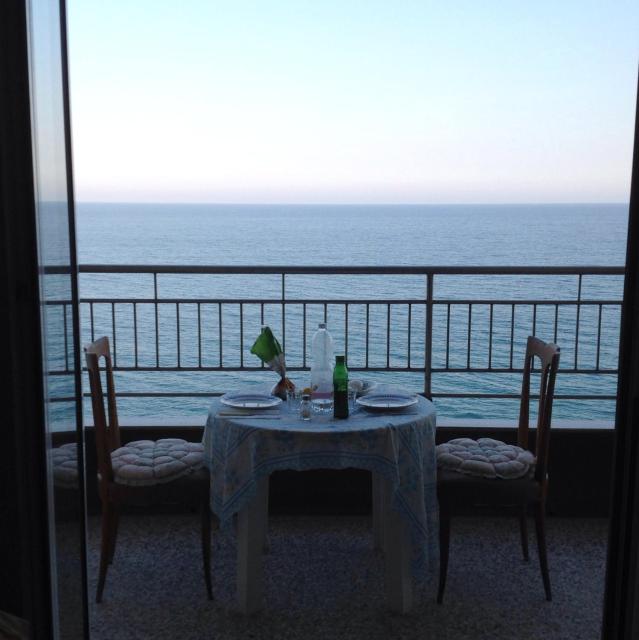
247	400
386	401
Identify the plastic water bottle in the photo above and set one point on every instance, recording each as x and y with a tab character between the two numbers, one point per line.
322	371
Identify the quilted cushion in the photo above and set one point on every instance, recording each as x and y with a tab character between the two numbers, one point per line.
65	465
149	462
485	457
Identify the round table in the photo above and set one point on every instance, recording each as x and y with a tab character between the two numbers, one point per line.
242	450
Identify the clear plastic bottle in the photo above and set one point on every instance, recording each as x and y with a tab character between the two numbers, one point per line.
322	370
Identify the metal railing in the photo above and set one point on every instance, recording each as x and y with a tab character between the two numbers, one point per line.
424	321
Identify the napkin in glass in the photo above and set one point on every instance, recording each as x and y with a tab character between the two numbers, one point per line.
268	349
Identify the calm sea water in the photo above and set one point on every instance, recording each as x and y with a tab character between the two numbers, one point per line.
358	235
352	235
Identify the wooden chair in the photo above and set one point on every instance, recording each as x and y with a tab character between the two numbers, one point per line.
188	485
460	491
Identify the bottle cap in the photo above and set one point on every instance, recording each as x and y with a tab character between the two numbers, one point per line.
322	325
339	358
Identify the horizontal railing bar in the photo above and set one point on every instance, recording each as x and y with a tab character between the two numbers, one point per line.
515	370
339	270
517	396
342	301
354	301
164	394
245	368
411	369
279	301
212	394
529	302
348	270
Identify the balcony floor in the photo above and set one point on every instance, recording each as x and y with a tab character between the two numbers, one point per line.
323	580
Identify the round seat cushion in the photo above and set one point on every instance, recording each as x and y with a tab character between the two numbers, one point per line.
149	462
65	465
486	458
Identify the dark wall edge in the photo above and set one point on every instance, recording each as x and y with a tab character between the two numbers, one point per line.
621	608
24	522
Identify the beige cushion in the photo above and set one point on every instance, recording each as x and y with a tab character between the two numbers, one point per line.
65	465
485	457
149	462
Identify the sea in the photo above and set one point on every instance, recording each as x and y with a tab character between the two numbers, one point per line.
366	235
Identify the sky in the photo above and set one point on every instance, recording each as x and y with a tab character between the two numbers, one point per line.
352	101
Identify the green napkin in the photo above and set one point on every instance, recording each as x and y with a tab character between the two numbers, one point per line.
269	351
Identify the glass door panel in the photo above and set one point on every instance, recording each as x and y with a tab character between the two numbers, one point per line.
59	309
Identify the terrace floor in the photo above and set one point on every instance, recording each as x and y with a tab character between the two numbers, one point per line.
323	580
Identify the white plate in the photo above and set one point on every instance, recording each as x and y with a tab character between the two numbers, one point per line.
246	400
386	401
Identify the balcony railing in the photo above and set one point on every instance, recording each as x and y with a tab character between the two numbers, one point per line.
446	331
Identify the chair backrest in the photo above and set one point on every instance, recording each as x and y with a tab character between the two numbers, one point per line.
548	355
107	432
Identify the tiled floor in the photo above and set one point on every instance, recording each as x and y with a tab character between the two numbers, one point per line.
324	581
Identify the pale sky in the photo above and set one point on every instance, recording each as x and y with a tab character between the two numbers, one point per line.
353	101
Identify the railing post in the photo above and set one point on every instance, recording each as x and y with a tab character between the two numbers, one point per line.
284	312
157	320
428	344
577	321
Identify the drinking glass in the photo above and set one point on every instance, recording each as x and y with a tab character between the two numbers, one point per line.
352	396
293	397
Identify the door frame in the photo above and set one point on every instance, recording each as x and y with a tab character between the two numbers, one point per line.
621	601
25	525
26	508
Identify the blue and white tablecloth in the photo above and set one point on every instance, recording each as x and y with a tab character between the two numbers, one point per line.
400	447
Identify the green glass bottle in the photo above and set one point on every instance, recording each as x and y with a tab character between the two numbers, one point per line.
340	388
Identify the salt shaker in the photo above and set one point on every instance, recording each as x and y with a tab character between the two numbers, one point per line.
305	407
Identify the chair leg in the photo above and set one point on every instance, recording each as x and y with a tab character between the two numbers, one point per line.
444	546
540	524
115	521
105	546
523	530
206	546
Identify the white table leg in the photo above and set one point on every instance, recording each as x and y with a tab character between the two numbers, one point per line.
251	525
398	579
378	511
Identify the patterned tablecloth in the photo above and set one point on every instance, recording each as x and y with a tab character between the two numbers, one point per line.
400	447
